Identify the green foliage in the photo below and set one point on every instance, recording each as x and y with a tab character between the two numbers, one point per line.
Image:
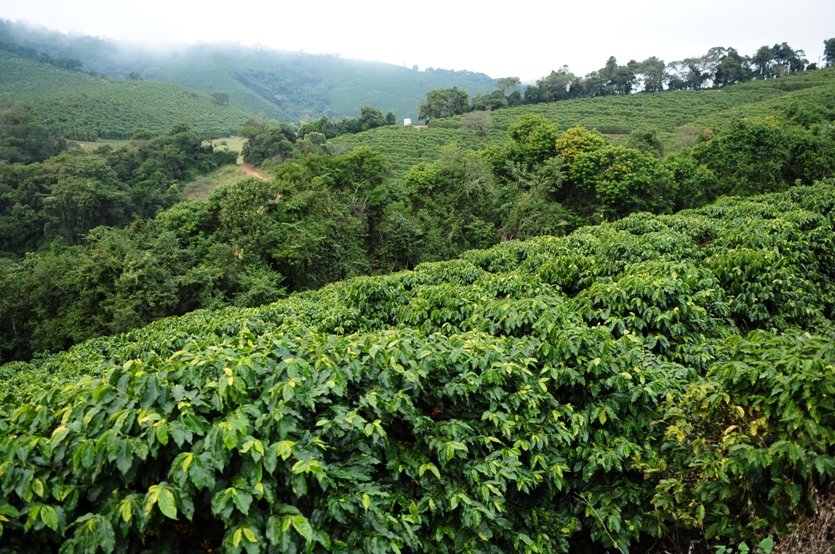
67	196
581	393
23	140
577	141
444	103
264	142
615	181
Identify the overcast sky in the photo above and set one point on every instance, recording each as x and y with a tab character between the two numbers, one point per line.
524	39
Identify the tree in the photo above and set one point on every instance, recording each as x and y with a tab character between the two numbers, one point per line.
732	68
653	74
135	76
371	117
443	102
556	85
749	157
506	83
492	101
533	139
478	121
221	98
829	52
621	180
576	141
763	61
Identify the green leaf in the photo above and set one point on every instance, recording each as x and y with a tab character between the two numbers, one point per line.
242	500
162	432
167	504
766	546
124	459
198	473
126	511
302	527
430	467
49	517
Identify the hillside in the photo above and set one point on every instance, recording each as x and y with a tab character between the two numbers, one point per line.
285	86
656	381
677	115
86	107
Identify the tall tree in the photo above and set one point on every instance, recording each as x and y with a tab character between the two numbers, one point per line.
444	102
762	62
506	83
652	73
829	52
732	68
555	86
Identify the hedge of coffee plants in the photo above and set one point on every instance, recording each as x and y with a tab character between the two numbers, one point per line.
659	380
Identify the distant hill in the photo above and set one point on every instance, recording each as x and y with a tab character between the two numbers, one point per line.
286	86
84	107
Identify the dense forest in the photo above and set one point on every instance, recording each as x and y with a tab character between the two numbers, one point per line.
600	322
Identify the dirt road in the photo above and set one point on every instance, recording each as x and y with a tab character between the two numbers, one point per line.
249	169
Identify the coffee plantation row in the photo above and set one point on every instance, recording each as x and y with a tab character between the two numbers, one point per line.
658	380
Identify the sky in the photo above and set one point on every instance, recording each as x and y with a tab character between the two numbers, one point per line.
526	40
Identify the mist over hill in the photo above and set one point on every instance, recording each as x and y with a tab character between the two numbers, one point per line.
286	86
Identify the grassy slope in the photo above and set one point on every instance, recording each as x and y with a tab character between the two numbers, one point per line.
669	112
202	187
75	101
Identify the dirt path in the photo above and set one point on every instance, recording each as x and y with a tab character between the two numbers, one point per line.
249	169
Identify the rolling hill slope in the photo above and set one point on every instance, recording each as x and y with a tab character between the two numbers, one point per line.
669	112
87	107
286	86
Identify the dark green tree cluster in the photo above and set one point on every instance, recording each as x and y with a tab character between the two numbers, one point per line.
370	118
39	56
23	141
62	198
718	68
829	52
244	246
444	103
277	143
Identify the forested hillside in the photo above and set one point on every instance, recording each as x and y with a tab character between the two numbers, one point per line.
285	86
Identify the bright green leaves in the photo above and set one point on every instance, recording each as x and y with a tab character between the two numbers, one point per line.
288	525
487	392
164	497
429	467
449	450
227	500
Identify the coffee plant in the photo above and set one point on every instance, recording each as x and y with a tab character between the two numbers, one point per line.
660	378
